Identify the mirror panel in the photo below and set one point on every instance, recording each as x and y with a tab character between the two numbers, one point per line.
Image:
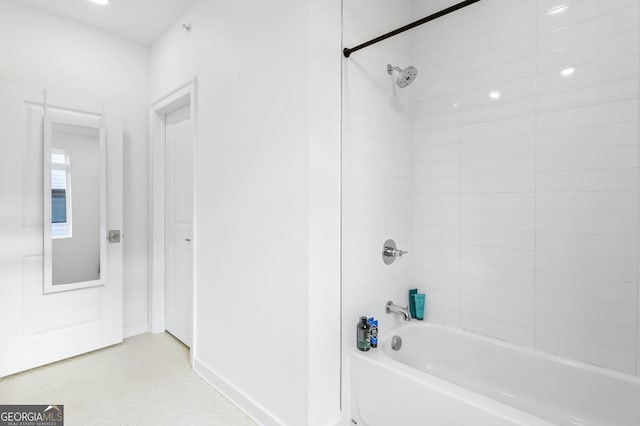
74	201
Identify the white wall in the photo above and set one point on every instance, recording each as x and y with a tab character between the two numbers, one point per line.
524	221
325	37
40	50
257	177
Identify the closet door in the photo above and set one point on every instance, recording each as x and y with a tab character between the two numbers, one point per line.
179	223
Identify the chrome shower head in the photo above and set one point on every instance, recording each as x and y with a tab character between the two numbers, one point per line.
405	76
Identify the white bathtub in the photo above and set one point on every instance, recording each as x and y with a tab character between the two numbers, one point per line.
443	376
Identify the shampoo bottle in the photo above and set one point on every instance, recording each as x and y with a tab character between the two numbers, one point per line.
420	300
362	334
412	302
373	332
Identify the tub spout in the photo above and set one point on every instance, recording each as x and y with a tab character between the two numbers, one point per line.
390	308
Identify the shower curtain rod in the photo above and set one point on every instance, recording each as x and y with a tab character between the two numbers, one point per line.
347	52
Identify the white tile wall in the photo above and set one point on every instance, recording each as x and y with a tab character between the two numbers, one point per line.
520	210
377	136
548	203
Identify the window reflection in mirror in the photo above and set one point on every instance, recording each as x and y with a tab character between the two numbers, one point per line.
75	204
61	213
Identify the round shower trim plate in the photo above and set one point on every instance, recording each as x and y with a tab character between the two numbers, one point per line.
389	244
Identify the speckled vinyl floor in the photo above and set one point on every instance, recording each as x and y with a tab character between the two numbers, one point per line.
147	380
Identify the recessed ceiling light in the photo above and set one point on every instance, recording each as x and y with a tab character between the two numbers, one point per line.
100	2
495	95
567	72
557	10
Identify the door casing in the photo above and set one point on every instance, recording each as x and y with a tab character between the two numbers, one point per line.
180	97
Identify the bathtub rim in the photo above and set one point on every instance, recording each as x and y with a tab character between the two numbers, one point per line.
561	359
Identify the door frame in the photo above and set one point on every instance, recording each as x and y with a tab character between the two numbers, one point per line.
183	95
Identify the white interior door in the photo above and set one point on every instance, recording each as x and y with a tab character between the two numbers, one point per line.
179	223
39	327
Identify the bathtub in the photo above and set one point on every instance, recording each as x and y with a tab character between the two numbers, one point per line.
443	376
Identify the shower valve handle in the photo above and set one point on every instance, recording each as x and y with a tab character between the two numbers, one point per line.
394	252
390	252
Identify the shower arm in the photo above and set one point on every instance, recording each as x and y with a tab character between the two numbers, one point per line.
391	69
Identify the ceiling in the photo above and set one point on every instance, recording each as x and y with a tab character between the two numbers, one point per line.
142	21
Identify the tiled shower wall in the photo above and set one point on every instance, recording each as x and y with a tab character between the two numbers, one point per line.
509	169
376	178
525	170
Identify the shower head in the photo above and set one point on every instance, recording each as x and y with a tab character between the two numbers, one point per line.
405	76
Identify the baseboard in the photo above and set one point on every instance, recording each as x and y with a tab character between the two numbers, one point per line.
135	330
240	399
